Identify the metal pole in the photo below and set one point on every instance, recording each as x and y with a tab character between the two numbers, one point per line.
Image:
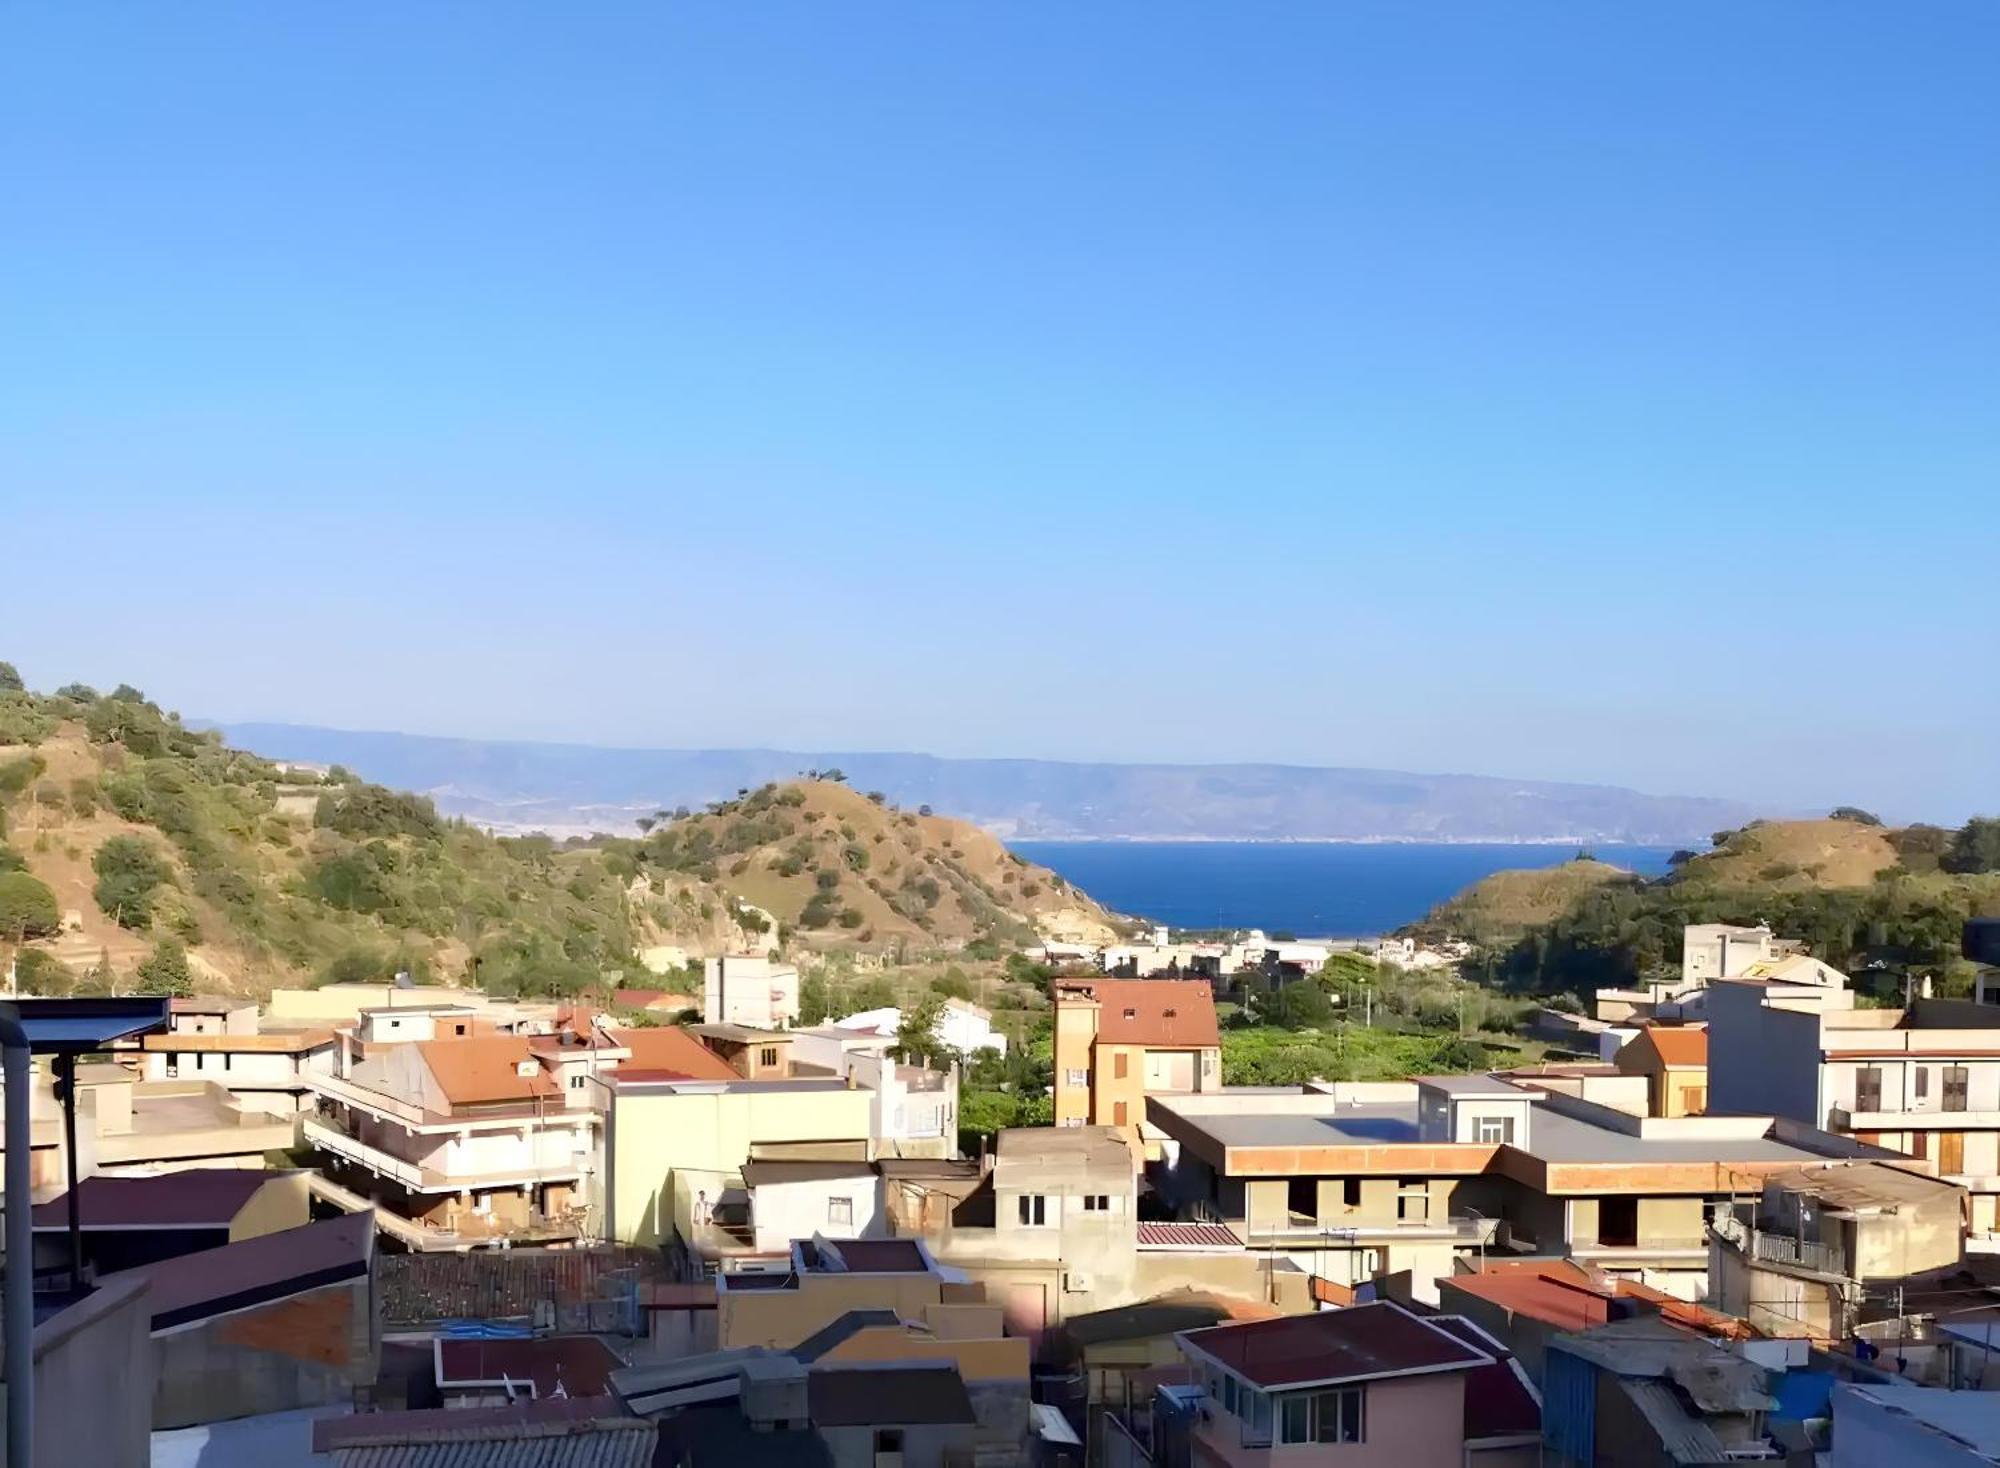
19	1305
66	1074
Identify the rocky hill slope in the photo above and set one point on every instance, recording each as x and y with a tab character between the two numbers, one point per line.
131	845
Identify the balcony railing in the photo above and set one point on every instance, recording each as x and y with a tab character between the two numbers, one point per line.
1302	1228
1781	1249
420	1179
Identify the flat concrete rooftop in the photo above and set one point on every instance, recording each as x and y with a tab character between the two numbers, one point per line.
1291	1121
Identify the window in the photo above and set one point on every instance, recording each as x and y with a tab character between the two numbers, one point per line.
840	1211
1350	1192
576	1082
1920	1082
1413	1200
1868	1088
1302	1197
1618	1222
1131	1014
1121	1065
458	1029
1491	1129
1076	1077
768	1055
1034	1210
173	1065
1254	1407
1694	1099
1957	1081
1096	1202
888	1441
1323	1417
1118	1111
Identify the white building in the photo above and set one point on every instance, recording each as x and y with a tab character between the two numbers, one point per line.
965	1027
748	989
798	1200
265	1072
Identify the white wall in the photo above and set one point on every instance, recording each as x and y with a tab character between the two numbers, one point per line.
787	1211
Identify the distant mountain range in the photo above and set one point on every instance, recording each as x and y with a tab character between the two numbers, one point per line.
570	788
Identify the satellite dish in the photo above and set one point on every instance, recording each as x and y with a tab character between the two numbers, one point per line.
403	980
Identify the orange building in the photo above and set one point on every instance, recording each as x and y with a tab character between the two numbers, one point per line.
1119	1040
1674	1061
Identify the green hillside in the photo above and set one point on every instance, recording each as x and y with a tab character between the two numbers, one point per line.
1877	901
137	851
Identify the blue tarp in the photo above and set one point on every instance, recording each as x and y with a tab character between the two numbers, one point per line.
1802	1394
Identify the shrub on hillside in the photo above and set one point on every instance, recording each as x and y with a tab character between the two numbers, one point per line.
27	907
165	970
128	870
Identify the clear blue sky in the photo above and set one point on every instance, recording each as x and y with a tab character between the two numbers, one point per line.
1604	392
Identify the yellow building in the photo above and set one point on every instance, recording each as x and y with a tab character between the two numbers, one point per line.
1119	1040
1674	1061
655	1128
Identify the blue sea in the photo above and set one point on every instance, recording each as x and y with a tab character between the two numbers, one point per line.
1316	889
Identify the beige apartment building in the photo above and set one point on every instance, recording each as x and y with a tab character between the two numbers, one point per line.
1922	1081
1118	1041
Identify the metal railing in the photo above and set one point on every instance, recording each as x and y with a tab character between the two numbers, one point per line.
1770	1248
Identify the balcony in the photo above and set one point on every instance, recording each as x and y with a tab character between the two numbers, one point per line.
417	1178
1783	1250
1465	1230
472	1233
414	1118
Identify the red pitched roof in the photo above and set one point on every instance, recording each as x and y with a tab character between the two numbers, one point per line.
434	1425
1356	1344
1680	1044
582	1364
1564	1294
475	1070
1499	1402
1163	1013
673	1051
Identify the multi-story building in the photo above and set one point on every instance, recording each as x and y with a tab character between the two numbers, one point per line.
467	1141
1923	1081
1370	1384
1820	1251
1354	1181
265	1071
1673	1059
754	1054
1118	1041
749	989
963	1026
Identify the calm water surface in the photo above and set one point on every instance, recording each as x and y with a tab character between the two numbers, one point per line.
1316	890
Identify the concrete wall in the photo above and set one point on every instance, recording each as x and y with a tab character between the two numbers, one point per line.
923	1447
280	1204
94	1381
1411	1422
648	1134
782	1318
311	1350
786	1211
1762	1061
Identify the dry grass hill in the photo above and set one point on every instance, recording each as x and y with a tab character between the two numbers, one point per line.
134	850
1507	904
833	866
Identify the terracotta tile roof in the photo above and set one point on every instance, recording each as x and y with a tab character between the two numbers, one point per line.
652	998
1680	1044
580	1364
1188	1236
673	1050
1157	1012
203	1197
479	1069
1569	1297
1356	1344
441	1424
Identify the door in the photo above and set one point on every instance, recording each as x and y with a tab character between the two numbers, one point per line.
1950	1153
1025	1311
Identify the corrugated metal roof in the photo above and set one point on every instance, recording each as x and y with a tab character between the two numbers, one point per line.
1685	1439
603	1449
1188	1236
